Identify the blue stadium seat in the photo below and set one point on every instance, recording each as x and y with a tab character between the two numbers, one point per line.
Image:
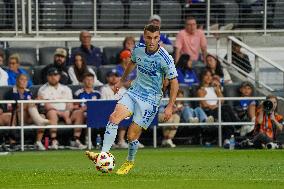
82	14
46	55
111	54
102	71
171	14
111	14
27	55
34	89
139	15
231	90
4	90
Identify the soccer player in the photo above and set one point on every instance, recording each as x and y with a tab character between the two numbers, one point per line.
142	99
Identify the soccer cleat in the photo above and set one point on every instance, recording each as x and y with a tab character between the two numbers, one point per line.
92	155
125	168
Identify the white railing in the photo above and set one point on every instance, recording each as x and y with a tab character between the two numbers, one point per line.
272	81
108	17
220	124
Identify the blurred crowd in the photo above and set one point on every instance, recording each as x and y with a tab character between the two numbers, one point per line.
200	74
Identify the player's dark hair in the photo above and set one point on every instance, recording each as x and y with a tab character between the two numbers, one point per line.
88	74
151	28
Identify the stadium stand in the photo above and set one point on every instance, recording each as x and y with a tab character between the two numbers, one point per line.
28	56
46	55
102	71
81	9
110	55
138	15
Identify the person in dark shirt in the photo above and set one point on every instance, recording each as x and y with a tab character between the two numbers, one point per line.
186	75
92	54
60	65
239	58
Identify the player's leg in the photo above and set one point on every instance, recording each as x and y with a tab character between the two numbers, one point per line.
120	112
133	134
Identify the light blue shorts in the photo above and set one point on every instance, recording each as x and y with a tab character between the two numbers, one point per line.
143	112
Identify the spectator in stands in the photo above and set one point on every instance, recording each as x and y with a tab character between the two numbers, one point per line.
268	124
80	109
77	71
209	89
240	59
186	75
164	39
245	109
14	70
169	132
91	53
191	41
192	115
31	114
60	65
2	58
128	43
213	64
125	58
53	90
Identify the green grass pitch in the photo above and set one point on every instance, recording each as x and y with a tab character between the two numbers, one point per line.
154	169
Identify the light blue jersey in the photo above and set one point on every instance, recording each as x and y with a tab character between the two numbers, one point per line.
151	71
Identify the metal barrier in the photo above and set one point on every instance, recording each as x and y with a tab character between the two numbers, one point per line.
265	73
220	124
112	16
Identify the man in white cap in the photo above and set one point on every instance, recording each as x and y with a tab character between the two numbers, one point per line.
164	39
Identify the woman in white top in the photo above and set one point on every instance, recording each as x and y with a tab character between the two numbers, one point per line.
214	65
211	88
78	69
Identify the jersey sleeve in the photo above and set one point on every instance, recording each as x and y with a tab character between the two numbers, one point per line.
169	67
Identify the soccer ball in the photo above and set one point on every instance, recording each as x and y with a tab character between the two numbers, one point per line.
105	162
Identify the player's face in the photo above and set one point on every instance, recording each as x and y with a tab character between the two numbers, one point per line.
22	82
53	79
191	26
151	40
89	82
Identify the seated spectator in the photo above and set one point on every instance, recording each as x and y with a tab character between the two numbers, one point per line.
169	132
239	58
213	64
245	109
92	54
128	43
31	114
208	89
79	113
60	65
108	93
53	90
77	71
268	124
125	58
164	39
191	41
186	75
192	115
14	70
2	58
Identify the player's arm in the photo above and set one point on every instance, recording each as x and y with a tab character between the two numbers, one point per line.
130	67
174	86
